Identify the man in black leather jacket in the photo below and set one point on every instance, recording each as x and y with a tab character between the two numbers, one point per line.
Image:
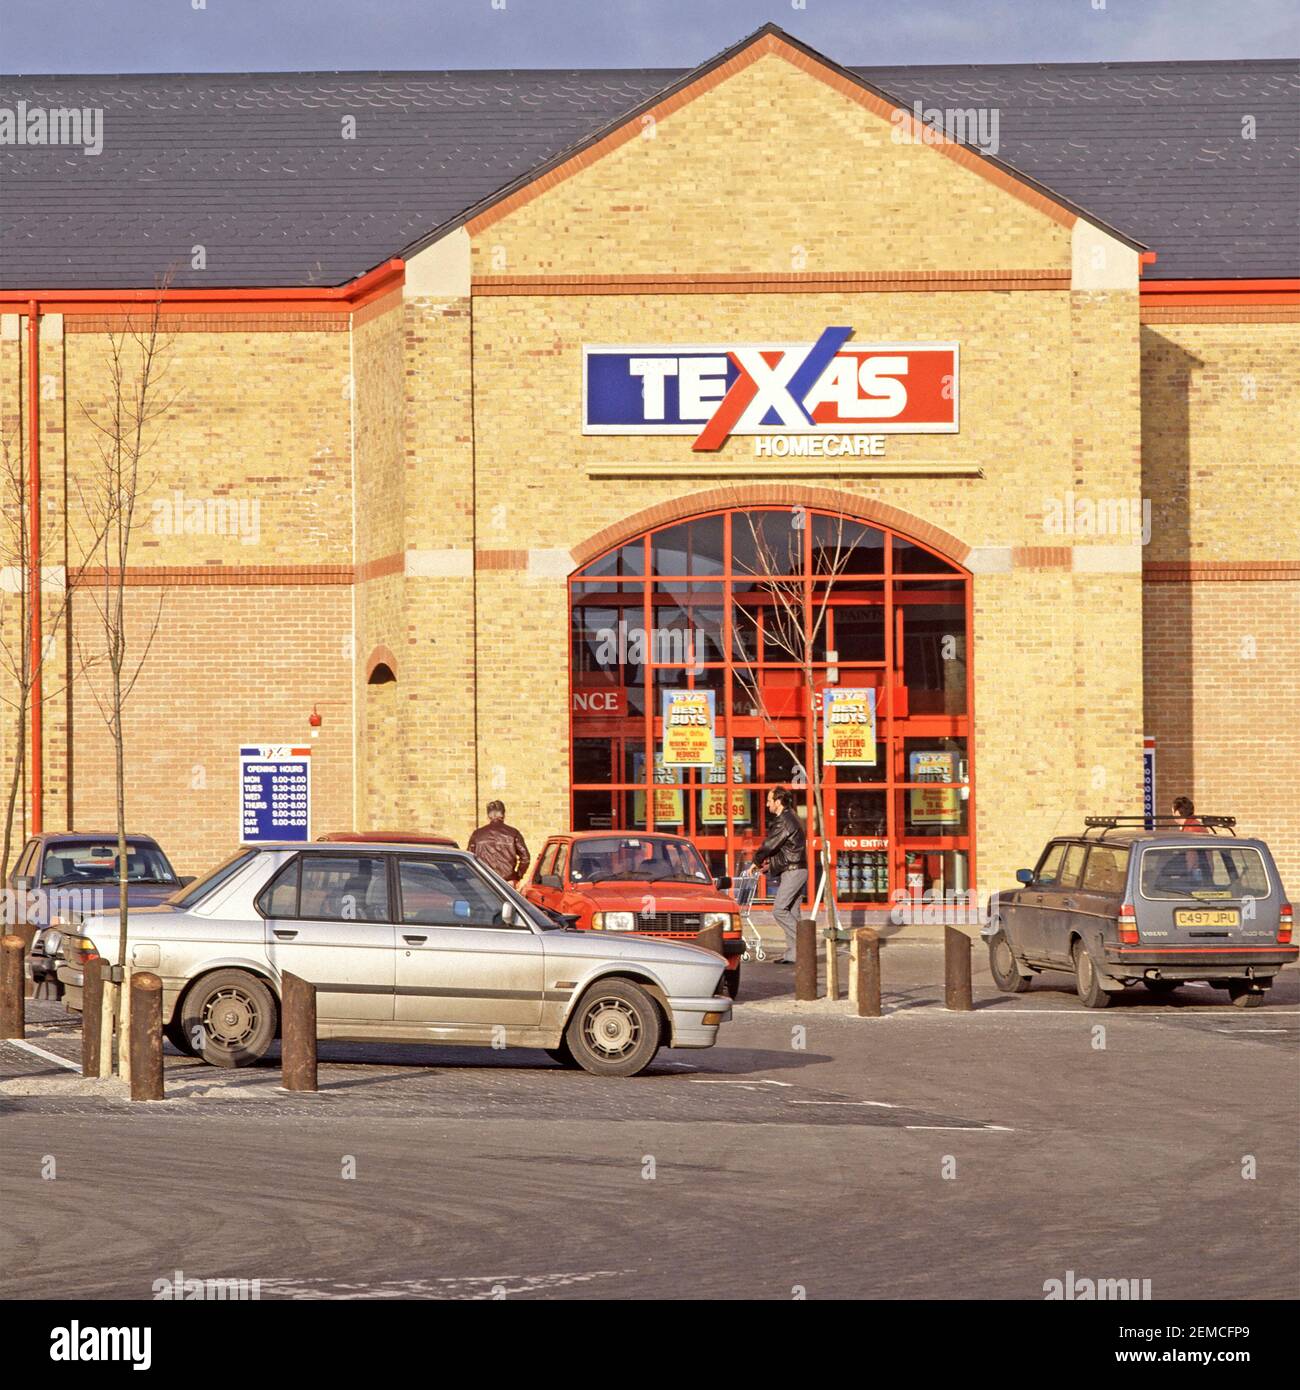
784	855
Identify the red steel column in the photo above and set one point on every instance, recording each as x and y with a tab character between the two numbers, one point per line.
34	586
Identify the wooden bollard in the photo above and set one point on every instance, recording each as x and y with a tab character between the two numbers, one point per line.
92	1002
864	973
956	971
710	938
805	959
146	1039
13	1011
297	1033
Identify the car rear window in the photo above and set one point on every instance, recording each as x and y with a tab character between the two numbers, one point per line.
1209	871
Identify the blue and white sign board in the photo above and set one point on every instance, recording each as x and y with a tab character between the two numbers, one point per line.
1149	781
274	793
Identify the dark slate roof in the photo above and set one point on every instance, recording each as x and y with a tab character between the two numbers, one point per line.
255	168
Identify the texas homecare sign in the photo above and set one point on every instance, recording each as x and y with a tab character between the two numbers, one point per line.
819	388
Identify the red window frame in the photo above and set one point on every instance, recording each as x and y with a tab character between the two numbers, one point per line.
896	727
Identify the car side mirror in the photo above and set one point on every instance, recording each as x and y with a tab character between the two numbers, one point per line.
570	919
186	879
549	880
1024	875
507	914
722	883
24	883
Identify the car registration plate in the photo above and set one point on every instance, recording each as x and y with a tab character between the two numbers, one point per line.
1206	917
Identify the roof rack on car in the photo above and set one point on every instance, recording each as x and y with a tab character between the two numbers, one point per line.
1212	824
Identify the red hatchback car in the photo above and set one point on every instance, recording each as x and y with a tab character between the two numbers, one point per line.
652	885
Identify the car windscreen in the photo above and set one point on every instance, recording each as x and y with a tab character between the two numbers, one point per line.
637	858
1210	871
95	861
200	889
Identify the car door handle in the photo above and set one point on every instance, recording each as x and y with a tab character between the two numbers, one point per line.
283	935
415	940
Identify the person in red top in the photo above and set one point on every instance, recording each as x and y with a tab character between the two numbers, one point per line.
1191	821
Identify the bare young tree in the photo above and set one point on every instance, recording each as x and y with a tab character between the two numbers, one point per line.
125	430
794	608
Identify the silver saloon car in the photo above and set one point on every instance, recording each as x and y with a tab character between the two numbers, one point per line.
404	943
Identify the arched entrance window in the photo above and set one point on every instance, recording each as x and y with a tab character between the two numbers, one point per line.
745	604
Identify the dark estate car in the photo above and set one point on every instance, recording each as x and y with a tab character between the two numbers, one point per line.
63	877
1122	904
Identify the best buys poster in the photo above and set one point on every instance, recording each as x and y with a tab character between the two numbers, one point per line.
849	717
934	805
688	728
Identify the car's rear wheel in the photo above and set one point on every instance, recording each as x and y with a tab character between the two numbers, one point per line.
1244	994
237	1015
1003	968
1162	987
615	1030
1085	979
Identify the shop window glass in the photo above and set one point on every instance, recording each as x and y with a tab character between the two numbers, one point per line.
934	657
693	547
841	545
915	559
768	542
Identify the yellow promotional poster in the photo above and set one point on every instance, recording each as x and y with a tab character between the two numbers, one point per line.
669	805
934	805
713	804
688	728
849	716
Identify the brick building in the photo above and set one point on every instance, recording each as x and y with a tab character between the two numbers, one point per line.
401	483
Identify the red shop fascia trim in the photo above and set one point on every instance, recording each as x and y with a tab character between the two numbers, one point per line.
1226	293
307	299
330	299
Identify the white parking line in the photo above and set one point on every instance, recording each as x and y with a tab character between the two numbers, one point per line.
724	1081
41	1052
966	1129
884	1104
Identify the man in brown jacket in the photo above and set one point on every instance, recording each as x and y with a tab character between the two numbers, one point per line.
500	846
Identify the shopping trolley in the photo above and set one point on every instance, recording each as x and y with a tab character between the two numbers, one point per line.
744	888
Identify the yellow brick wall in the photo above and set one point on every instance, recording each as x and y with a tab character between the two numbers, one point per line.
1220	405
770	170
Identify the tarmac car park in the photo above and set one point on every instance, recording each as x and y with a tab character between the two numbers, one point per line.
404	943
1122	904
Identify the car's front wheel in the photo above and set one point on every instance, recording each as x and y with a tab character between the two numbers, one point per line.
1086	981
615	1030
236	1014
1003	968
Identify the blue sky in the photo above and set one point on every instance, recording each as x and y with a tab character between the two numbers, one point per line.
270	35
